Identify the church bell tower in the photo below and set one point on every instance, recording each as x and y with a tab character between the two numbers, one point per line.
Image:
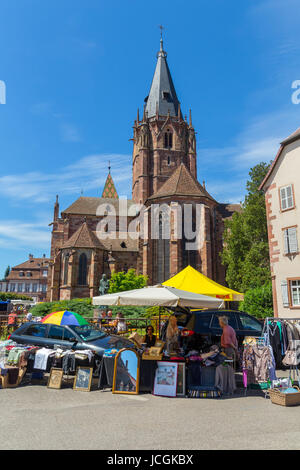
163	139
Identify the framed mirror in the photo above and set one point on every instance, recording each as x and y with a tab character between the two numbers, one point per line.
126	372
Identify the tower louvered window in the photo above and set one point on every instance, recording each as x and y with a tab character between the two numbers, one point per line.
168	140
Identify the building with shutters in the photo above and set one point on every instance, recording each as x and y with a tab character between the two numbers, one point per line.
282	192
166	197
29	278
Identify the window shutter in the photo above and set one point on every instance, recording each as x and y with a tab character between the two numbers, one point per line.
292	234
283	198
284	292
286	241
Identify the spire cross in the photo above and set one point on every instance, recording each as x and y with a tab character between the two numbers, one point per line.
161	31
109	166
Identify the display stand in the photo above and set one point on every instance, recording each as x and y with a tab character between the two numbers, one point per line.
147	374
5	379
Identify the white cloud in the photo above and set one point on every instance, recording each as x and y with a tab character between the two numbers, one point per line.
259	141
88	173
18	234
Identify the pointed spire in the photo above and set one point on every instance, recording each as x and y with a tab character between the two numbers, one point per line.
179	111
56	209
162	92
190	120
138	116
144	114
109	190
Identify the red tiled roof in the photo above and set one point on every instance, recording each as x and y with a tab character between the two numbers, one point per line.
291	138
181	183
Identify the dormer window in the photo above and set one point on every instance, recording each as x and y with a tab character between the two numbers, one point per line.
166	96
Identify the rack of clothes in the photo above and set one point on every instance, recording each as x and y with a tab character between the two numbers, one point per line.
209	375
258	364
278	332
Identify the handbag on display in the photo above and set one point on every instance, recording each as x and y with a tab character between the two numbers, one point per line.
292	355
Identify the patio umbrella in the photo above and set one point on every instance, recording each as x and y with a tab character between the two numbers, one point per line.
159	295
65	318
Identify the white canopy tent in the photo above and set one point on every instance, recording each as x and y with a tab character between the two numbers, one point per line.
161	296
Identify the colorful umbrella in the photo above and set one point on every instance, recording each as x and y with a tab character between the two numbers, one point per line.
64	318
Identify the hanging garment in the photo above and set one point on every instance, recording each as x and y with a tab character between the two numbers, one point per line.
274	341
224	379
285	342
41	358
257	362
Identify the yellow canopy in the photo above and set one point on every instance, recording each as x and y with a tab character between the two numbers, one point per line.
191	280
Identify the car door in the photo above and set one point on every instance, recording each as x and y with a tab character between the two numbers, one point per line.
215	328
60	336
249	326
35	334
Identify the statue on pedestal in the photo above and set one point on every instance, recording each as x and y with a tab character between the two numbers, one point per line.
104	285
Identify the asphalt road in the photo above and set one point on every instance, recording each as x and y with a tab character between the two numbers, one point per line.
35	417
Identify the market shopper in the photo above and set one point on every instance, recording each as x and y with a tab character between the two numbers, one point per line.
149	338
121	323
229	342
12	320
172	335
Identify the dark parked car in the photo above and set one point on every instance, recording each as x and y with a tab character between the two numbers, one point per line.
200	328
68	337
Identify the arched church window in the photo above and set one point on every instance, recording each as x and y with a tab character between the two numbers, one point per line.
82	270
169	160
66	268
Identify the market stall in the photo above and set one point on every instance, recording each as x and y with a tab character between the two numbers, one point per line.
172	373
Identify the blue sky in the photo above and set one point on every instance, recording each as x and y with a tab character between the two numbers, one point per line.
76	72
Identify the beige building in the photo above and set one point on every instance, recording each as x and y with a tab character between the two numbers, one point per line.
282	191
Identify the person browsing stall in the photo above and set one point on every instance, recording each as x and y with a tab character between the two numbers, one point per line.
149	338
229	342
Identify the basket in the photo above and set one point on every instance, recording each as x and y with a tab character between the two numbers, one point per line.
284	399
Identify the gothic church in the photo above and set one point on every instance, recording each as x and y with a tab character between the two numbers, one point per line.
164	173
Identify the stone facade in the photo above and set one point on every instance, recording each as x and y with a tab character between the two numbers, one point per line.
165	195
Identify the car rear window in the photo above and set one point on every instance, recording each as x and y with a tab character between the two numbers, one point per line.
202	322
231	321
38	330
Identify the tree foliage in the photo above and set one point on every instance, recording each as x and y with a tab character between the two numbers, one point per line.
7	271
259	301
81	306
11	296
122	281
246	249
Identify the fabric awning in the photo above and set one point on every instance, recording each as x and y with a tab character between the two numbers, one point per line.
189	279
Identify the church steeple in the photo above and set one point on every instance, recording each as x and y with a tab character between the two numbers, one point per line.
109	190
162	97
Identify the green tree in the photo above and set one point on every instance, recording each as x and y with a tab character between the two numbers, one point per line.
7	271
246	249
259	301
122	281
82	306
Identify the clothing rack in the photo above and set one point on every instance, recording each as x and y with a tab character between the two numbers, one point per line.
293	370
266	327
